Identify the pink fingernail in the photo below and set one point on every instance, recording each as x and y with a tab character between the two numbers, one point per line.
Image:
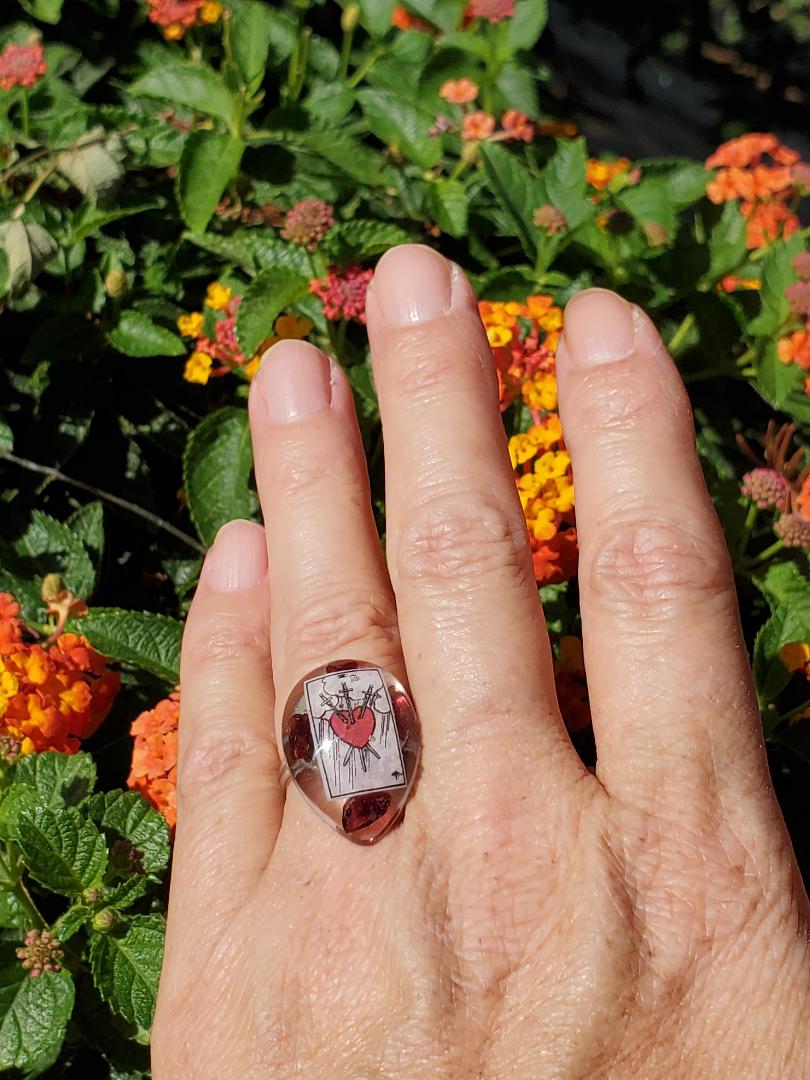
293	381
412	283
599	328
238	557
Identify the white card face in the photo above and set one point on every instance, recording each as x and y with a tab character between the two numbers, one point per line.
355	734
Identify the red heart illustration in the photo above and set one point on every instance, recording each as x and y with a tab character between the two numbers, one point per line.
359	731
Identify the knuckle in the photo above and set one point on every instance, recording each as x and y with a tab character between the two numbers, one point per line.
217	755
346	622
297	466
229	637
418	370
461	539
647	564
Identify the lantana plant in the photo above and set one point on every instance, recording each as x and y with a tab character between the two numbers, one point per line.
184	182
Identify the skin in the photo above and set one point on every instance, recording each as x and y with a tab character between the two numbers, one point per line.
528	919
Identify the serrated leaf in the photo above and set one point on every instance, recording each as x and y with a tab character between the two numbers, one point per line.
76	916
357	240
17	799
267	251
45	546
61	850
87	525
13	914
251	28
90	219
234	249
147	640
399	122
126	966
565	181
449	206
777	274
263	301
209	161
516	190
216	471
137	335
130	817
348	155
125	893
189	85
33	1017
58	779
788	594
375	16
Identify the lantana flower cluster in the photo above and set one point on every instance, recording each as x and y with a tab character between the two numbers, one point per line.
794	347
174	17
476	124
216	348
524	337
781	484
22	65
154	756
766	178
343	292
52	695
493	11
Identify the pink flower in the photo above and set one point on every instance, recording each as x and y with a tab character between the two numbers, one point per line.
516	125
801	266
477	125
343	293
308	222
494	11
21	65
798	296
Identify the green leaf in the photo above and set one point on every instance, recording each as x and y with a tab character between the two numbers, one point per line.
251	29
357	240
137	335
375	16
726	244
347	154
189	85
33	1017
45	546
449	206
90	219
61	850
686	183
262	303
17	799
59	779
147	640
446	14
216	471
565	181
13	915
267	251
87	525
517	191
126	966
127	815
92	164
47	11
233	249
650	202
527	24
788	594
777	274
210	160
398	122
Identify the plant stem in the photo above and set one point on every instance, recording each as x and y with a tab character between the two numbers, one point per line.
747	529
788	716
25	113
346	52
681	333
366	66
107	496
768	553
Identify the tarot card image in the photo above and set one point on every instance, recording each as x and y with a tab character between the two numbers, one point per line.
355	732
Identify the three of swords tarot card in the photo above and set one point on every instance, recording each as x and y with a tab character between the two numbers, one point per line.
355	732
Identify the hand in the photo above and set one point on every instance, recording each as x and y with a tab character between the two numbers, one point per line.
527	919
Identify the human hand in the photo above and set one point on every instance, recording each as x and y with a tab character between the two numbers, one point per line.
527	918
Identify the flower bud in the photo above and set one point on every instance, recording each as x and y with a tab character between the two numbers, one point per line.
350	18
53	588
115	283
104	920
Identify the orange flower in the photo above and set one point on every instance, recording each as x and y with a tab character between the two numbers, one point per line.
748	150
477	125
795	349
600	173
404	20
516	125
767	221
731	283
459	91
51	698
154	756
10	623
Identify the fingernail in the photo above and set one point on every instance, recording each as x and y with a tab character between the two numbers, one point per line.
412	283
238	557
599	328
293	381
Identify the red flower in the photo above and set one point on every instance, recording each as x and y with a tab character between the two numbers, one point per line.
21	65
343	293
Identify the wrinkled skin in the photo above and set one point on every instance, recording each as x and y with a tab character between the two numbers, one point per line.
528	919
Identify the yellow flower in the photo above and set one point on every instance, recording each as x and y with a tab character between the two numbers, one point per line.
217	296
543	524
252	366
210	12
293	326
191	325
498	336
198	368
540	392
795	655
174	31
552	464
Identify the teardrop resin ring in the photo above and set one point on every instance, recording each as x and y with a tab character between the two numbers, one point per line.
351	741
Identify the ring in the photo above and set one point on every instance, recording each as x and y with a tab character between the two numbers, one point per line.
351	740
